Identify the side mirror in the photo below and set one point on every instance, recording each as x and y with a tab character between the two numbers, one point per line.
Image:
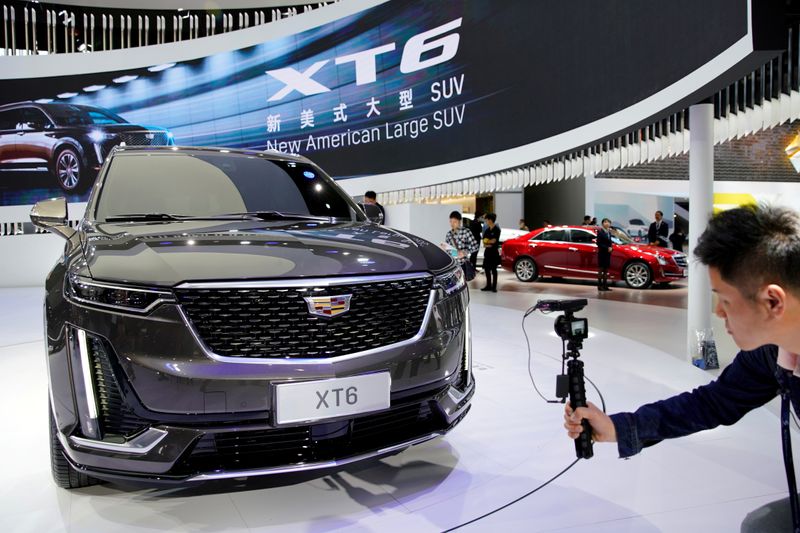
51	215
373	212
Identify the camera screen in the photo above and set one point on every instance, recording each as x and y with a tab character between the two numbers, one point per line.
579	327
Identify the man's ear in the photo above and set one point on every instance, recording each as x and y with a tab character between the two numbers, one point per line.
773	297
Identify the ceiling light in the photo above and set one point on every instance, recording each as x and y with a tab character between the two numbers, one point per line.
125	79
67	95
159	68
93	88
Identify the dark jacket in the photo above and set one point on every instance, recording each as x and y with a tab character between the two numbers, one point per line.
658	235
604	241
750	381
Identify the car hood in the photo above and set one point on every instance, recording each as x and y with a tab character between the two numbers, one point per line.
126	127
646	248
166	254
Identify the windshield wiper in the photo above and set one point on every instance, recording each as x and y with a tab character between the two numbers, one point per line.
273	215
135	217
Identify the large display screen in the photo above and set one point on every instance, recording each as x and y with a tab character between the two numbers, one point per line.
400	86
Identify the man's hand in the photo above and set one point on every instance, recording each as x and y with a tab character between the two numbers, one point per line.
461	254
602	426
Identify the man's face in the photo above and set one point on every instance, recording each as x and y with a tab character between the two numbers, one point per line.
658	217
454	223
606	224
369	201
745	320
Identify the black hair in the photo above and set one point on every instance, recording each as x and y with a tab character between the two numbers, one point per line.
752	246
660	213
491	216
456	215
371	195
604	221
587	217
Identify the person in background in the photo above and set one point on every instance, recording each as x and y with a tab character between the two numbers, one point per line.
460	238
546	223
371	198
657	234
522	225
678	238
476	228
604	247
752	254
587	220
491	253
593	222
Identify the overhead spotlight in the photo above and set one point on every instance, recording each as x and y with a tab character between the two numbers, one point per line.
44	100
93	88
793	151
125	79
159	68
67	95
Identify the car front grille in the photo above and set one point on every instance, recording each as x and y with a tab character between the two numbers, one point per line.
680	260
266	448
145	138
275	322
116	417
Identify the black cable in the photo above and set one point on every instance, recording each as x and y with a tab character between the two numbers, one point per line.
530	371
509	504
533	382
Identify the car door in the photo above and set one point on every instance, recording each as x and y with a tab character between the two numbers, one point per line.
549	249
9	119
34	138
582	257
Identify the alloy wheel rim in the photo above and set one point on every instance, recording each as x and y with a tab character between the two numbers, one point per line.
637	275
68	170
525	270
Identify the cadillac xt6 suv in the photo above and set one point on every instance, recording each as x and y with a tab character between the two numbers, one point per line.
221	313
68	140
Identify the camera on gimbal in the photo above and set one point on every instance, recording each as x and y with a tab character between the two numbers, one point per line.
570	329
573	331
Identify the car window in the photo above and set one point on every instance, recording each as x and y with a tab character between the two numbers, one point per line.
208	184
620	237
35	117
9	119
581	237
75	115
552	235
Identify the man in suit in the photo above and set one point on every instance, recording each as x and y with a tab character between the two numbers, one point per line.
370	197
658	232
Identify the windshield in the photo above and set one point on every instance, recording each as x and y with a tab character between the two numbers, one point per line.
75	115
620	237
195	184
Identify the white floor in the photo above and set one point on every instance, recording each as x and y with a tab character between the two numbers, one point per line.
510	443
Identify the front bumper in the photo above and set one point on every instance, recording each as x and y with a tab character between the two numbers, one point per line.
168	412
190	454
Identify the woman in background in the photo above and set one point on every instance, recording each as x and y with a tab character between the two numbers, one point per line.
604	248
491	254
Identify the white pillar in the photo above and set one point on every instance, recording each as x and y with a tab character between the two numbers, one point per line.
590	189
701	205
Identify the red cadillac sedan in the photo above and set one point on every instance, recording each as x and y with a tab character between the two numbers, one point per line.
571	252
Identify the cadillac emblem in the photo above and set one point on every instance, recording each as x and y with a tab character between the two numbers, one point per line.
328	305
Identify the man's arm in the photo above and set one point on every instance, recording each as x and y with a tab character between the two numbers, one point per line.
747	383
472	244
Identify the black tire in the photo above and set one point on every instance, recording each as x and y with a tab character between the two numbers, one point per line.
64	474
69	170
637	275
525	269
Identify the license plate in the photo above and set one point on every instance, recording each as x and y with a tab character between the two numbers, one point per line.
309	401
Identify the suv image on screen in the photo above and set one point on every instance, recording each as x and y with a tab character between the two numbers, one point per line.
69	141
222	314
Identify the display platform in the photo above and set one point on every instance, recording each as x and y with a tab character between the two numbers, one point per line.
510	443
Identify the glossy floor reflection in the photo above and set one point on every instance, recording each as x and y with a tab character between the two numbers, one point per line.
510	443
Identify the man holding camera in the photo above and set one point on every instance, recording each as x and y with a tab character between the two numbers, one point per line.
753	259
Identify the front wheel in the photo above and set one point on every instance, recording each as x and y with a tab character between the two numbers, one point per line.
637	275
525	269
69	170
64	474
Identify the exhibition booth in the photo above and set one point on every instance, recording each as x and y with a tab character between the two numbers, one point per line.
205	325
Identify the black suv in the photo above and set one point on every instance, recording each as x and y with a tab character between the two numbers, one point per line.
70	141
221	313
